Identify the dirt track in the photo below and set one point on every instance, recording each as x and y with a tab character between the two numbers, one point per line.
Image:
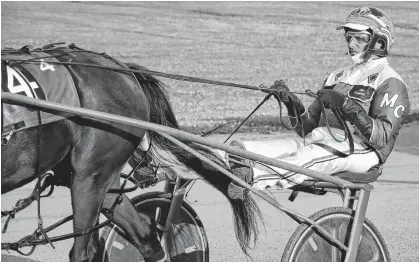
393	208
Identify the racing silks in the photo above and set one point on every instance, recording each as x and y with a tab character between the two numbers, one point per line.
376	104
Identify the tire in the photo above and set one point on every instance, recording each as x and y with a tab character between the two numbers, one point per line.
189	244
306	245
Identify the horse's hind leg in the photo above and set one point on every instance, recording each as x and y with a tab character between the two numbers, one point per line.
87	193
96	159
140	229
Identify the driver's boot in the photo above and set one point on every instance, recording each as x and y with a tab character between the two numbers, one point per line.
242	169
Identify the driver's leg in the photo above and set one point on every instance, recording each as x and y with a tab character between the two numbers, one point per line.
317	158
247	170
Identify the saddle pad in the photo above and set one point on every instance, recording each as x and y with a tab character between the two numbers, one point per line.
44	81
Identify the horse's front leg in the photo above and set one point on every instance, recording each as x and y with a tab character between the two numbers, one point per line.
139	228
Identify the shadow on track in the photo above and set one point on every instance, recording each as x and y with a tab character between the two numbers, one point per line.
11	258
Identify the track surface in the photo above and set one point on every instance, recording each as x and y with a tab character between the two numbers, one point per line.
393	208
250	43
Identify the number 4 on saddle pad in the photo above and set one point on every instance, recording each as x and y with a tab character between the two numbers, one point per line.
40	80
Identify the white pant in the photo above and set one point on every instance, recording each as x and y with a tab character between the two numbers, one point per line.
293	151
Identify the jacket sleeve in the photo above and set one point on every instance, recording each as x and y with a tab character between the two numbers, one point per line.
388	110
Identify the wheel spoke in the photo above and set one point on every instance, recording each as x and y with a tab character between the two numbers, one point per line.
307	245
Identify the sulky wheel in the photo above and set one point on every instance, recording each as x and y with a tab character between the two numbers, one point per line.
306	245
189	239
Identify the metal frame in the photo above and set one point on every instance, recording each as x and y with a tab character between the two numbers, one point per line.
349	196
179	189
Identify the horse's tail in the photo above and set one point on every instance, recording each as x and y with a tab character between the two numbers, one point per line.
246	212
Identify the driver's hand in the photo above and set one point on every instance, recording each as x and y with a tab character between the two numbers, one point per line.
331	99
280	90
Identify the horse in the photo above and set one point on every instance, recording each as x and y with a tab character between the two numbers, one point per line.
88	156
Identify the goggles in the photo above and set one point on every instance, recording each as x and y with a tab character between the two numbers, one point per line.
359	38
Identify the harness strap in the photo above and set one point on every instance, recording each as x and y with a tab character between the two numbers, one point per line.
13	127
2	117
332	150
38	165
348	134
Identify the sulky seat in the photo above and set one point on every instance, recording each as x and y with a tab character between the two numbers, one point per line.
362	178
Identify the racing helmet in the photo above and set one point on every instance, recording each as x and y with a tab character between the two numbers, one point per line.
377	22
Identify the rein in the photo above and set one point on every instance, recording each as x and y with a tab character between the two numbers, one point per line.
33	240
339	116
176	77
52	46
141	71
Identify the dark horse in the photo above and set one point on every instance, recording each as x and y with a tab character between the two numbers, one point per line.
88	156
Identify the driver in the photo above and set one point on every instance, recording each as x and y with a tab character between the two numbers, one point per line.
371	96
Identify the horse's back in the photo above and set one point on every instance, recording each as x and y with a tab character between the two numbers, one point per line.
106	90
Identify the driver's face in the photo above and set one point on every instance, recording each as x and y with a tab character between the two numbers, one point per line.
357	41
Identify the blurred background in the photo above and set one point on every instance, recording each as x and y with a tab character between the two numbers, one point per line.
250	43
